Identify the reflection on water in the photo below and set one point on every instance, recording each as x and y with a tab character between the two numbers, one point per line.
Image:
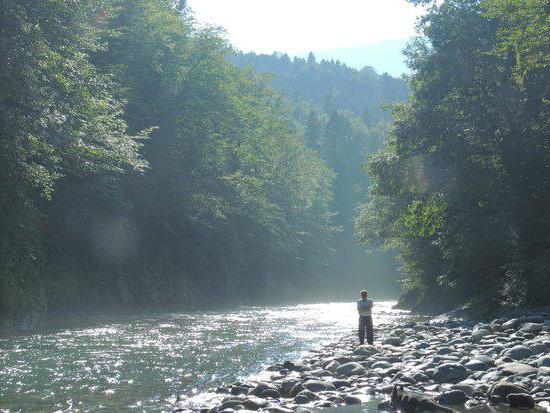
142	363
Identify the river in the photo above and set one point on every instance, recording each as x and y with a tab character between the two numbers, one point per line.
142	363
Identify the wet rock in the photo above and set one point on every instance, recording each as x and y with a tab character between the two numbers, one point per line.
385	406
531	328
254	403
544	361
414	402
236	390
295	366
287	385
352	400
365	350
318	385
518	368
518	352
309	394
452	397
477	365
231	404
261	387
332	366
298	388
393	341
350	369
503	389
301	399
341	383
277	409
450	373
271	393
520	400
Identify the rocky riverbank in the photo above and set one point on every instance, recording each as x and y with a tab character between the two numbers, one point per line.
461	364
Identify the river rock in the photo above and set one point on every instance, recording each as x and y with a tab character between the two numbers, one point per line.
254	403
544	361
450	373
309	394
287	386
260	388
531	328
298	388
518	368
295	366
477	365
332	366
503	389
518	352
351	400
365	350
271	393
318	385
452	397
341	383
350	369
520	400
393	341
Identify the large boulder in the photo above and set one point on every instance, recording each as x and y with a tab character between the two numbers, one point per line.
450	373
520	369
350	369
503	389
518	352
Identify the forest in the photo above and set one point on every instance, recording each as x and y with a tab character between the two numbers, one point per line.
460	190
143	170
148	165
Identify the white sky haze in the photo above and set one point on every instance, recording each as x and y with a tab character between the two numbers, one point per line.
295	26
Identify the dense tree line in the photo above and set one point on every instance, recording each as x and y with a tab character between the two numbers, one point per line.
143	170
461	188
340	113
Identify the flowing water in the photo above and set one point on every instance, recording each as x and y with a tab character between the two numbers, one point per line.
142	363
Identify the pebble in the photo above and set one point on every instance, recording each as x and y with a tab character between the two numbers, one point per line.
454	362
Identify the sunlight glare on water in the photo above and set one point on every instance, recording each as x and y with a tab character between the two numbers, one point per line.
142	363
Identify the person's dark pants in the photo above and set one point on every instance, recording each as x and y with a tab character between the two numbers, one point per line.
365	323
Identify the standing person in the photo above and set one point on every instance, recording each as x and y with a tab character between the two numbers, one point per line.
364	308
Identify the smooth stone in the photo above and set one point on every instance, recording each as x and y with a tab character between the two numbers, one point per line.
518	352
452	397
520	400
365	350
477	365
531	328
503	389
341	383
518	368
393	341
385	406
332	366
287	386
351	369
318	385
271	393
544	361
352	400
450	373
254	403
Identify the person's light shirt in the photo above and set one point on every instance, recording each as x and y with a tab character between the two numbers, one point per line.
364	307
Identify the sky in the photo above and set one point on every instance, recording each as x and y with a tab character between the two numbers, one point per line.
299	26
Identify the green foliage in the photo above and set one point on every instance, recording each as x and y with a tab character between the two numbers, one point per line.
221	196
459	188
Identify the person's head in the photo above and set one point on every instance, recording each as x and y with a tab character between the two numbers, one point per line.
364	295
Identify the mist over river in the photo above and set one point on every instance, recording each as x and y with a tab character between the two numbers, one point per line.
143	363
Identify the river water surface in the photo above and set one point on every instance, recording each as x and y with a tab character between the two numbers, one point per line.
143	363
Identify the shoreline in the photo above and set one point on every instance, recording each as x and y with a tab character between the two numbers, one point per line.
450	362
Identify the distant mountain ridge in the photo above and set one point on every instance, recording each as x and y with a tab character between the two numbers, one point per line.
384	57
331	85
